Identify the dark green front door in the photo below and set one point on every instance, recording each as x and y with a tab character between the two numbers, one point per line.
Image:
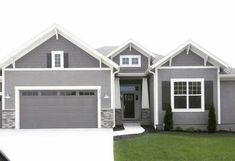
129	106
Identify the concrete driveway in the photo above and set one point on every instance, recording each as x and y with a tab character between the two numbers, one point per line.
59	144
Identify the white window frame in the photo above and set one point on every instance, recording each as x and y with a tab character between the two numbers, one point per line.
130	60
187	109
61	53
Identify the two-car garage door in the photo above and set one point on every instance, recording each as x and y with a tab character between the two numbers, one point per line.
58	109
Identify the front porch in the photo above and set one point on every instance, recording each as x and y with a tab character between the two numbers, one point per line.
133	105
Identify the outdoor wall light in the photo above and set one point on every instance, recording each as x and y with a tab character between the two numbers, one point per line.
106	96
7	96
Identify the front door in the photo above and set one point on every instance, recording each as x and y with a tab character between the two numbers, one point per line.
129	106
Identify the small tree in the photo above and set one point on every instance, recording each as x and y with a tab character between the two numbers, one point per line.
168	119
211	120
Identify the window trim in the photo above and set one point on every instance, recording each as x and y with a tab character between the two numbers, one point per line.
187	109
130	60
61	53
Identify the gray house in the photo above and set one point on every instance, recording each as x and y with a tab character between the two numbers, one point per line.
58	81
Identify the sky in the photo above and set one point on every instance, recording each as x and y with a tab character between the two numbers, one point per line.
160	26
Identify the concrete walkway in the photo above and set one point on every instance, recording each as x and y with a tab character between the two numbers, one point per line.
129	129
57	144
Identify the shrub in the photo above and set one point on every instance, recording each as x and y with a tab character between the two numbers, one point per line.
211	120
190	129
198	130
168	119
178	128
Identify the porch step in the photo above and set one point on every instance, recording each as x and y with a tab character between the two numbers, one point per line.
130	129
130	124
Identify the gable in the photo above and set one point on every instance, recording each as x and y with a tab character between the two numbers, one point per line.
37	58
56	31
198	52
190	59
127	51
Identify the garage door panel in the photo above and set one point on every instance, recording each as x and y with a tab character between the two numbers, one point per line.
58	111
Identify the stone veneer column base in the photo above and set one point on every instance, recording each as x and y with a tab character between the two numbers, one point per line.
107	118
144	120
146	117
118	117
8	119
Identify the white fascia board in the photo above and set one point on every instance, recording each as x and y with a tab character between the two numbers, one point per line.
57	69
182	47
45	35
131	74
86	47
135	45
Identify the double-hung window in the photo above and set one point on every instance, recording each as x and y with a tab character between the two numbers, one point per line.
130	60
57	59
187	95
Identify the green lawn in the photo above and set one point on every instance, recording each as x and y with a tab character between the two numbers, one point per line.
176	146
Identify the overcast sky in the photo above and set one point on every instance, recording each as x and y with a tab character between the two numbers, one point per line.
160	26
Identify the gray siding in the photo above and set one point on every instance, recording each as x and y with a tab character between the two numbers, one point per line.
37	58
1	112
57	78
228	102
187	118
184	59
144	62
151	96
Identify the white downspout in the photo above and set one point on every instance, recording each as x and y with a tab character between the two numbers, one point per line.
155	96
114	123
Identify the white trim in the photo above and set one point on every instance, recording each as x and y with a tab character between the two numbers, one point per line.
61	53
145	94
17	98
56	34
112	88
48	33
188	67
187	109
129	57
3	88
182	47
218	97
135	45
54	69
155	96
131	74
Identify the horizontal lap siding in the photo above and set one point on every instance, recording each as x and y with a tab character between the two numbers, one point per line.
37	58
144	62
187	118
228	102
57	78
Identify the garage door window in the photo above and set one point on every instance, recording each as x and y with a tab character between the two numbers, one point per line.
86	93
68	93
29	93
49	93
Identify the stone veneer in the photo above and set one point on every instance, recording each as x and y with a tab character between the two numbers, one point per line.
107	118
145	117
8	119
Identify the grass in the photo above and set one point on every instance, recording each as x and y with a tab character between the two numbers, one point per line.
176	146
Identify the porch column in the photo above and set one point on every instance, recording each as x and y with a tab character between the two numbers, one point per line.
117	94
145	93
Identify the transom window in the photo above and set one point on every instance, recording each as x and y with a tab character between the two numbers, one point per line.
187	95
130	61
57	59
